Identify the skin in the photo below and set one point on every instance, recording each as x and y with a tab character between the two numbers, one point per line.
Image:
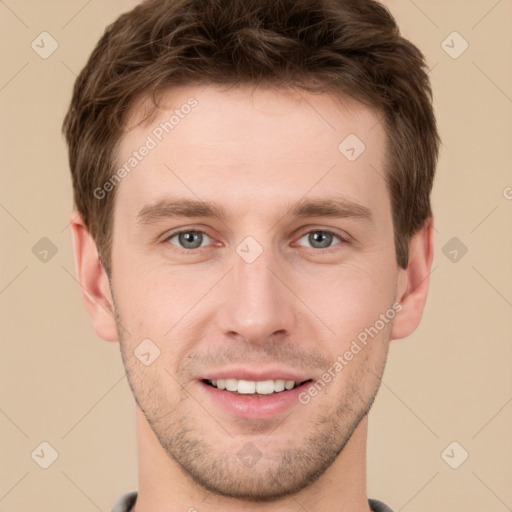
298	306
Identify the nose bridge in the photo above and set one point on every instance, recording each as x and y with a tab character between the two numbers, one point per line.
253	281
259	305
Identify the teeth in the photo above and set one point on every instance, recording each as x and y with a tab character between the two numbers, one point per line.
279	385
265	387
232	384
249	387
289	384
246	387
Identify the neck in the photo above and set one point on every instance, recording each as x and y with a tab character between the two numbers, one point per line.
165	487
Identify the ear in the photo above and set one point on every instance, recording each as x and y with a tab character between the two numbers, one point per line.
93	280
413	282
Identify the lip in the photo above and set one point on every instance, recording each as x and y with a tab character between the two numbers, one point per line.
251	374
253	407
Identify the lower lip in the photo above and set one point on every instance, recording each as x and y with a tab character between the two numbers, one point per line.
253	407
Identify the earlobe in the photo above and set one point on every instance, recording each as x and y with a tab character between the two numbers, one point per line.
93	280
413	282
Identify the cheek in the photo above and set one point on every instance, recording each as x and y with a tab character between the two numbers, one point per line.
349	298
156	301
144	303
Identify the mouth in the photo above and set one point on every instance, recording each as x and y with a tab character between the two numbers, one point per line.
255	387
254	397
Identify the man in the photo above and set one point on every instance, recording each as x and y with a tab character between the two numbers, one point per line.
252	185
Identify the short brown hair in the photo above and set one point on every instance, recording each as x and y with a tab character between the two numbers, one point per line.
345	47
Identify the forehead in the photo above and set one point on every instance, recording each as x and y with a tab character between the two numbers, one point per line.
244	144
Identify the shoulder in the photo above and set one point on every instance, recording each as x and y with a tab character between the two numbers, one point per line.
125	502
378	506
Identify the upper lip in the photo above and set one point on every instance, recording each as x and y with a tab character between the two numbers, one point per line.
255	375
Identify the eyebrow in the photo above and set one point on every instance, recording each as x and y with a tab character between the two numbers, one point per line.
331	208
167	208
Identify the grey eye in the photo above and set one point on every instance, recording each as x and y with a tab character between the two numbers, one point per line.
189	239
320	239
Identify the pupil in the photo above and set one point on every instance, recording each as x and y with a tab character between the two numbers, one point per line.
190	239
320	239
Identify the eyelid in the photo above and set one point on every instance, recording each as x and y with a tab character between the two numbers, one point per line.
343	236
186	229
166	239
342	239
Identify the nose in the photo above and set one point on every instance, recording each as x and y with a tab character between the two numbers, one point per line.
258	306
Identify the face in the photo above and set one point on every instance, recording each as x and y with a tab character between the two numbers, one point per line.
258	260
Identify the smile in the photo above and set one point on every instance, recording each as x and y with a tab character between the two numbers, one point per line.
249	387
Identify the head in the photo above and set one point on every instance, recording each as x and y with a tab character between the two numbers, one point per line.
252	187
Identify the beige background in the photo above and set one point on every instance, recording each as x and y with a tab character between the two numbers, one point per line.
450	381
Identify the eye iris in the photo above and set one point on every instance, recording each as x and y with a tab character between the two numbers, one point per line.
190	239
320	239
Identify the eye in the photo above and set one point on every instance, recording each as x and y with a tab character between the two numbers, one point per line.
320	238
189	239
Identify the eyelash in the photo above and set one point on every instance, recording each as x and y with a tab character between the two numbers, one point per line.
189	252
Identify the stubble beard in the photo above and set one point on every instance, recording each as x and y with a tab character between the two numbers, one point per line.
277	473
